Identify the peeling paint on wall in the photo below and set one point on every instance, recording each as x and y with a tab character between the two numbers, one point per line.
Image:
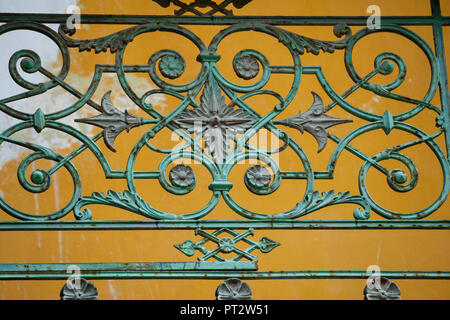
56	98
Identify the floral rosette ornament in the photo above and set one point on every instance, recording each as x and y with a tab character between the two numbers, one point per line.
79	289
381	288
182	176
233	289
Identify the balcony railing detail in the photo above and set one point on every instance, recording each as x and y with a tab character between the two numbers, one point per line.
216	134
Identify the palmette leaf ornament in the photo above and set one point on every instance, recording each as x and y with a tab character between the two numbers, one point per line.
112	120
314	121
215	121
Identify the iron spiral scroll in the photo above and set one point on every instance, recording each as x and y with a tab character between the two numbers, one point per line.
202	105
214	119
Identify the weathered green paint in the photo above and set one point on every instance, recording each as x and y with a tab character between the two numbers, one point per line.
55	271
233	224
215	117
223	20
226	245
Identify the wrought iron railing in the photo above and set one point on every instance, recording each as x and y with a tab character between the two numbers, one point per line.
203	115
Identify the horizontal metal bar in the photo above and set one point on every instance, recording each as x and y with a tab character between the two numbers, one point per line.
126	271
216	224
52	270
222	20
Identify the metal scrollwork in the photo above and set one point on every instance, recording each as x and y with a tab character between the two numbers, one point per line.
215	121
214	118
314	121
182	176
225	127
214	6
226	245
112	121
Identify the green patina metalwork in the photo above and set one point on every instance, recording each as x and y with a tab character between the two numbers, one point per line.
171	270
226	245
226	128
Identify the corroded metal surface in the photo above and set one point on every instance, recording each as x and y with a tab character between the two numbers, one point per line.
112	121
226	245
381	288
226	128
314	121
218	123
213	6
194	270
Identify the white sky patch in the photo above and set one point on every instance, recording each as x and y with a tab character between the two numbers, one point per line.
13	41
54	99
35	6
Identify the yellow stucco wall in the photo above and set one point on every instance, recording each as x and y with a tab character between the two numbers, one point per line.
301	249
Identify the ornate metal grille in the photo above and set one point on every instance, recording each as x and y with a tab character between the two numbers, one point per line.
216	134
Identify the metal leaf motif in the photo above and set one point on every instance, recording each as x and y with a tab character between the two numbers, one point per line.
316	200
114	41
314	121
187	247
112	121
214	120
130	201
301	43
266	245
